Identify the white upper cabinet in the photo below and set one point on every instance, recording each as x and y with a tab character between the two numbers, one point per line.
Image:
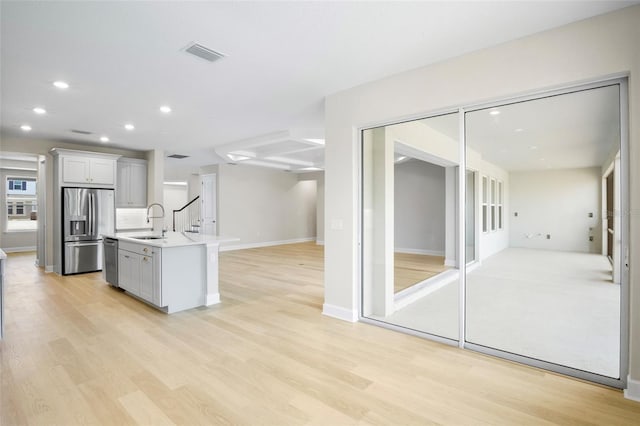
102	171
131	189
75	169
83	168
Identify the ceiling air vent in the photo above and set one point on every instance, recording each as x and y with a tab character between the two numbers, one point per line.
204	52
81	132
178	156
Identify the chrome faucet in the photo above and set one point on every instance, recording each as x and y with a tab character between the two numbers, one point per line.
154	217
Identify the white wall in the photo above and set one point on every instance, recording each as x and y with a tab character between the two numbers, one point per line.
558	203
599	47
175	197
263	206
320	210
419	191
318	177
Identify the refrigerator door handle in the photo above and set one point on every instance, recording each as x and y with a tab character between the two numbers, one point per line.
92	203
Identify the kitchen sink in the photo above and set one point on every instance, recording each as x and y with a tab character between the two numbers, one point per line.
147	237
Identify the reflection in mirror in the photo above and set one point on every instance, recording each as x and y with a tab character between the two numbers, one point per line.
410	271
547	281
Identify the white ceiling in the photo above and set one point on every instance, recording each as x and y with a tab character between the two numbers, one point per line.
124	59
573	130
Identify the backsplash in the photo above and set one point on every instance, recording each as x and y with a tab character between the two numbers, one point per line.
129	219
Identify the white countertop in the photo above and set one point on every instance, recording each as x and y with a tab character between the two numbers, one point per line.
171	239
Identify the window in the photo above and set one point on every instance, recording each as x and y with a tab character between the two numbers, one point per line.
500	204
21	204
485	204
492	202
23	186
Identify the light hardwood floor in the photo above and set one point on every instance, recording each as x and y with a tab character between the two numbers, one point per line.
410	269
79	352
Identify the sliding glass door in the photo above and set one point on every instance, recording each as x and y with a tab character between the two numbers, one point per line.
411	268
520	256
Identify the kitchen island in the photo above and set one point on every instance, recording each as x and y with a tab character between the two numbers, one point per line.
174	272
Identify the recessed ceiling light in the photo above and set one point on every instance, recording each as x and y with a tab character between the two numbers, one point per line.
104	139
25	128
165	109
39	110
494	112
129	126
533	147
519	129
316	141
61	84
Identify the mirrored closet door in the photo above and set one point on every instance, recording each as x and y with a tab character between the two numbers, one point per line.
547	283
521	255
410	193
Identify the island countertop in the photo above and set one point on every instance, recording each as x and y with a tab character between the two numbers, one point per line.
171	239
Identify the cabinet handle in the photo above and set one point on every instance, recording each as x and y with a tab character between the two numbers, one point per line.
126	256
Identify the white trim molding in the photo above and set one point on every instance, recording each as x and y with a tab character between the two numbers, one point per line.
417	291
212	299
633	389
320	242
19	249
264	244
339	313
419	251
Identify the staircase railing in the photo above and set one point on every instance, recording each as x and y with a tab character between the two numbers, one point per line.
187	218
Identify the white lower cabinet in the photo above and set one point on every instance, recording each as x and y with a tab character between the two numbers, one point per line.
172	278
129	271
139	271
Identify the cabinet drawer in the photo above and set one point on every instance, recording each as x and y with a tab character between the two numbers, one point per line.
142	249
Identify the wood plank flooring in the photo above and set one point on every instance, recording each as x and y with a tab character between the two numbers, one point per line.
410	269
79	352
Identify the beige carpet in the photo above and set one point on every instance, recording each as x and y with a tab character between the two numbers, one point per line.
559	307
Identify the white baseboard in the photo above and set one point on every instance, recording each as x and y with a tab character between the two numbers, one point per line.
19	249
419	251
633	389
339	313
212	299
232	247
48	268
420	290
450	262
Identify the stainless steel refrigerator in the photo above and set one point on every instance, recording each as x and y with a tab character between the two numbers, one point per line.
87	214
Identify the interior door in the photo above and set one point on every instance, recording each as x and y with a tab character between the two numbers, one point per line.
208	199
